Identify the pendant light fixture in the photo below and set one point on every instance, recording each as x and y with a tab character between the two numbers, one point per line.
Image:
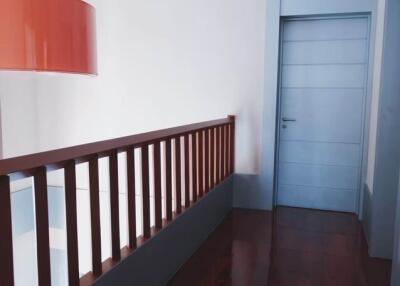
48	35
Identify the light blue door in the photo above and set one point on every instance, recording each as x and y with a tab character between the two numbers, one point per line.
322	95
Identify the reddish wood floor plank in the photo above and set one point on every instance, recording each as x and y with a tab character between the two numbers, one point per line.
322	248
293	247
236	253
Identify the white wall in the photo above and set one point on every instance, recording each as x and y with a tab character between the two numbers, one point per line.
162	64
18	113
368	188
387	163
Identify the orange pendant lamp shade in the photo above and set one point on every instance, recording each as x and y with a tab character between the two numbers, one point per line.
48	35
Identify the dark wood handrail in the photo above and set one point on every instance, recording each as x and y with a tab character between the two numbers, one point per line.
24	166
206	149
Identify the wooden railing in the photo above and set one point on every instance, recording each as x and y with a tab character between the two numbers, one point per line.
208	156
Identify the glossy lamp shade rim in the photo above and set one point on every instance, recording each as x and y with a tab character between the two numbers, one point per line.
49	71
56	36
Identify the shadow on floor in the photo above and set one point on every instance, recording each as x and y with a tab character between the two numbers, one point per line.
293	247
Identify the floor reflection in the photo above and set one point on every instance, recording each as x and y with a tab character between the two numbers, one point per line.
293	247
236	254
313	247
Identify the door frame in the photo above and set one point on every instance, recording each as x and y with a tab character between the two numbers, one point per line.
365	109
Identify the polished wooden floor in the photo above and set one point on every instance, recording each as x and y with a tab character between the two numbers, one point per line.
319	248
293	247
237	253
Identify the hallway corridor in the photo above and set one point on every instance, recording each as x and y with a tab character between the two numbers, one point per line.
293	247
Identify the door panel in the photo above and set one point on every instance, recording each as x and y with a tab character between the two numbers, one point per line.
323	76
315	175
323	52
326	115
320	153
325	29
323	68
316	197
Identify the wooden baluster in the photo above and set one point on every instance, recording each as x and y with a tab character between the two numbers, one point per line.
201	164
130	168
230	149
146	191
6	239
226	153
157	185
42	227
223	152
178	185
168	179
71	223
207	160
194	166
95	215
187	171
114	206
212	165
232	144
218	155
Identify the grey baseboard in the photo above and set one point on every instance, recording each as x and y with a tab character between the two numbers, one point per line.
250	193
156	262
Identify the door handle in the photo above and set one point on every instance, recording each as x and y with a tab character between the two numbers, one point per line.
285	119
